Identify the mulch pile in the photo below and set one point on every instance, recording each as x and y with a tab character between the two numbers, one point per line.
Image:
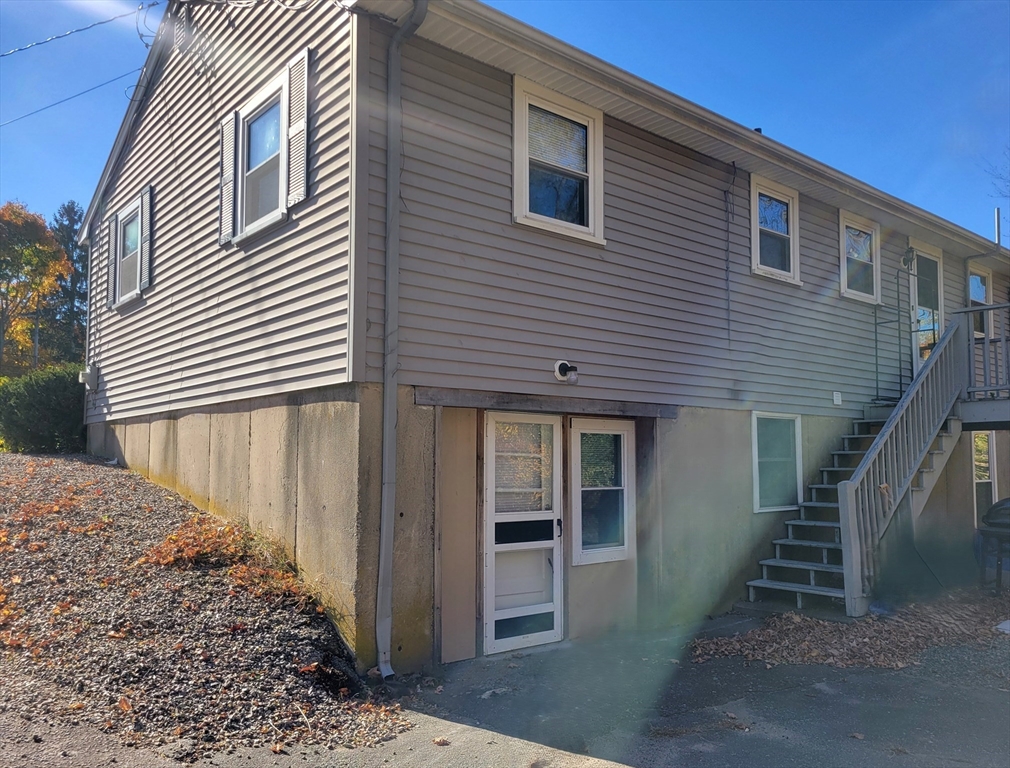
892	642
121	605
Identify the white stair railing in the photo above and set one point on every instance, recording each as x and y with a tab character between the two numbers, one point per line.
868	500
988	346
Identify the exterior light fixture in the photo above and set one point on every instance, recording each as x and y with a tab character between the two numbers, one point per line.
565	372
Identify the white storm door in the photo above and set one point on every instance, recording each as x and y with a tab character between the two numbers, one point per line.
522	535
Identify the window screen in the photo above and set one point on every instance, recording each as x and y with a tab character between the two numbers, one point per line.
776	449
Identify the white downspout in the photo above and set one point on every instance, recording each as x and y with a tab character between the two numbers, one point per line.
387	512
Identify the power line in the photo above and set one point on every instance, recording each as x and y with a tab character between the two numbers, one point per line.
61	101
82	29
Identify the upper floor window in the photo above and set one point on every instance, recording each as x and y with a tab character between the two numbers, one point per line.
260	185
557	163
264	155
775	243
860	264
128	238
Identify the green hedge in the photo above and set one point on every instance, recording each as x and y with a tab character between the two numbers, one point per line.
43	412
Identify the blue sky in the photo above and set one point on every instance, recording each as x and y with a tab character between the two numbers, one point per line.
911	97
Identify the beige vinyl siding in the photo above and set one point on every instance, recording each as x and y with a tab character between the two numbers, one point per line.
490	305
228	323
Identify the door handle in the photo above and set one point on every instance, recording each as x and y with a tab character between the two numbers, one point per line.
561	527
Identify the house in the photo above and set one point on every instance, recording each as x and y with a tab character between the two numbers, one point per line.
575	364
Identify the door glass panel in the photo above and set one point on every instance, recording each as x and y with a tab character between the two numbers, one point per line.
528	530
979	287
523	625
927	285
524	467
524	577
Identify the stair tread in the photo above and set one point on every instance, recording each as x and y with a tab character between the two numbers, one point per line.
820	504
815	523
848	453
839	469
789	586
823	485
808	543
781	562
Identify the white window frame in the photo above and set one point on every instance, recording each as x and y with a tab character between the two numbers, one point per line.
755	470
790	196
526	93
133	209
992	474
626	429
975	269
863	225
276	90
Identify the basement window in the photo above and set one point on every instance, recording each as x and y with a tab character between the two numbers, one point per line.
778	471
984	471
557	163
603	490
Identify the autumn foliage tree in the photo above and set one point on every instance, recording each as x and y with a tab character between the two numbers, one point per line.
32	267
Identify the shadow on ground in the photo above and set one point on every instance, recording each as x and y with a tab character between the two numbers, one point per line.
639	700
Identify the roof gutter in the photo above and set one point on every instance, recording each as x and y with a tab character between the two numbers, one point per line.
387	512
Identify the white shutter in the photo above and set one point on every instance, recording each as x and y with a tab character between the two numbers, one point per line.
227	212
111	227
182	30
146	221
298	123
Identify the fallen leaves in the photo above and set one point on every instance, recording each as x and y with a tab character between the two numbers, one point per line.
441	741
894	642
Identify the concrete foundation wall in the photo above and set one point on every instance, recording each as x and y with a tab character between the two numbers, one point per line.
945	530
306	470
711	537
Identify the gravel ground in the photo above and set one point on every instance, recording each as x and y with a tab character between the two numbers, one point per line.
111	616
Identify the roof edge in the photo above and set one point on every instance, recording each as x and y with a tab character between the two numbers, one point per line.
152	64
479	17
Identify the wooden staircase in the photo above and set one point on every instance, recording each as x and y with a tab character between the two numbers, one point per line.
810	560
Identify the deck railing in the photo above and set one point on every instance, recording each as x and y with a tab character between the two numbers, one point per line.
987	346
868	500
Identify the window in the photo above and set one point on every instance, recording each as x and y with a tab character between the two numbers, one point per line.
983	459
557	163
264	148
603	490
128	235
778	470
860	265
980	294
775	216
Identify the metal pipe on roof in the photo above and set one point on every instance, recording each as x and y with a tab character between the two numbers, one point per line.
387	511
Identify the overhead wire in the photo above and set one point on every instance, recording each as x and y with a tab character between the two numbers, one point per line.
139	8
290	5
63	101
